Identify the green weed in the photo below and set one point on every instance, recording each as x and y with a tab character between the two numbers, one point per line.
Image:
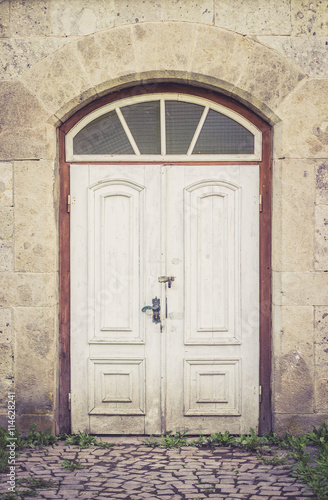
219	439
4	455
30	485
151	442
38	483
250	441
85	441
37	438
72	465
275	460
168	440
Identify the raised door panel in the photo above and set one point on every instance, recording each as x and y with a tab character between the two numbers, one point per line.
115	242
118	386
212	242
212	387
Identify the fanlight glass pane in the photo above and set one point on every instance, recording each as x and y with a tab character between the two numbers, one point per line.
222	135
181	120
143	120
104	135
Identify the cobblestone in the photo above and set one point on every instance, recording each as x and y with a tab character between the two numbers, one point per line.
136	472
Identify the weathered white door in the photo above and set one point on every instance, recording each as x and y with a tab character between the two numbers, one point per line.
197	368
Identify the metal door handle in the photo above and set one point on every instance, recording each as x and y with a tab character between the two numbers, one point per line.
156	307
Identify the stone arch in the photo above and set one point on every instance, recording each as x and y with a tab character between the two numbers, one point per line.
200	55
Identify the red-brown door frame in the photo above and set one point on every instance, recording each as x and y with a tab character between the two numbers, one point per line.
265	244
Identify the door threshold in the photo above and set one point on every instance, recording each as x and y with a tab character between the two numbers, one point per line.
121	439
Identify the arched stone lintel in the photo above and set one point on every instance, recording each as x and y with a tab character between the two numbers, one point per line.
189	53
155	78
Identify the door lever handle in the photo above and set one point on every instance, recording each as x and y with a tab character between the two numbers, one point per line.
156	307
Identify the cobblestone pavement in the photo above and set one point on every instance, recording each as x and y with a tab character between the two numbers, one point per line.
134	471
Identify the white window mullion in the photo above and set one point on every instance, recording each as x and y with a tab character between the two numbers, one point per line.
128	132
197	131
163	130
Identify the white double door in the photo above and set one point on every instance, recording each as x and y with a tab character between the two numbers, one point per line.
198	367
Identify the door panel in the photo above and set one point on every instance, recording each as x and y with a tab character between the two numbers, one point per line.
213	305
198	368
115	256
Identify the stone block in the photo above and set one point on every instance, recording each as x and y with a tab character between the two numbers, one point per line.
65	83
19	108
293	215
6	256
6	373
6	184
6	361
293	354
321	388
26	289
265	16
35	226
300	288
321	336
30	18
35	359
322	182
321	238
35	75
5	326
220	55
163	46
23	133
81	18
298	424
267	77
310	54
5	17
135	11
43	423
29	143
6	223
304	121
309	17
18	55
104	59
197	11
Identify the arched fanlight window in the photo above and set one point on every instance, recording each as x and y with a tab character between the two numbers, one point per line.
163	126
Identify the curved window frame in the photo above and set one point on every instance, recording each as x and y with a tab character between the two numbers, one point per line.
162	97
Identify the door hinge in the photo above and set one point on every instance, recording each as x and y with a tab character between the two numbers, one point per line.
68	203
260	393
69	401
261	203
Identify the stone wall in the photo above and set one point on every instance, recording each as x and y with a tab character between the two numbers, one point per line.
56	56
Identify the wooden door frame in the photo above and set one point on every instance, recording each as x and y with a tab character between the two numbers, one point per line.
265	416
